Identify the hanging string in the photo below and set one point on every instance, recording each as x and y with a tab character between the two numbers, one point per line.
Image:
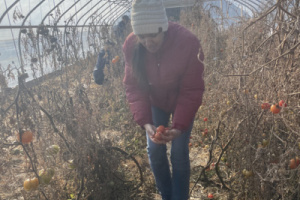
21	7
29	10
12	34
76	9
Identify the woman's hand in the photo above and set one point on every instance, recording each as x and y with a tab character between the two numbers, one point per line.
171	134
151	130
167	136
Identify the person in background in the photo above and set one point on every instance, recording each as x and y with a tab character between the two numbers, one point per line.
104	58
123	29
163	79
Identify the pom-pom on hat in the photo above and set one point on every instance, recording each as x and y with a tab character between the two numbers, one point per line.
148	16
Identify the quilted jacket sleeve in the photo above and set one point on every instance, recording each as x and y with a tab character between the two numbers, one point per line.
191	90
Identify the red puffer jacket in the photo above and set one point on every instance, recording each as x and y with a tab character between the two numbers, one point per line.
174	76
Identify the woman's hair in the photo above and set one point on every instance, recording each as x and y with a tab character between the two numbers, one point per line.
139	65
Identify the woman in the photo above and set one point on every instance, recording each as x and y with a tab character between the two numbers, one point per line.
163	78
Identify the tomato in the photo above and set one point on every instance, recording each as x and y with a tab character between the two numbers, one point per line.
282	103
53	149
46	176
158	136
161	129
265	106
294	163
247	173
205	119
265	143
27	137
223	158
275	109
115	59
210	196
31	184
71	164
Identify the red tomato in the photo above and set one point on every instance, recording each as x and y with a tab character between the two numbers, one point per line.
158	136
27	137
265	106
282	103
161	129
275	109
294	163
205	119
210	196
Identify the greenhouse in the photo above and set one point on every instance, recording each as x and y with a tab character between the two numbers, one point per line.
70	133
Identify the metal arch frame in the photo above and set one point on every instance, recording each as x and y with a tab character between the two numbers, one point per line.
38	33
126	7
19	38
64	35
119	8
247	6
255	3
8	9
89	26
81	36
55	23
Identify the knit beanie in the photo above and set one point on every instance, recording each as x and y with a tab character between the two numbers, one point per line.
147	16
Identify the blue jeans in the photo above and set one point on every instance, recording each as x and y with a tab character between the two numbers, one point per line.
175	186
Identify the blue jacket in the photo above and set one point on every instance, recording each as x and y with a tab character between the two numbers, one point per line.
98	72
